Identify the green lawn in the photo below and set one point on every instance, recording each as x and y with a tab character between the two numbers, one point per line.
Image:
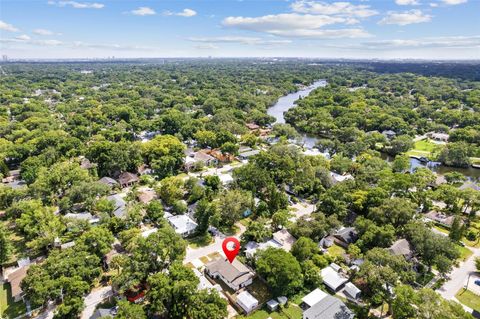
336	251
290	312
9	308
441	229
200	241
469	299
424	145
465	253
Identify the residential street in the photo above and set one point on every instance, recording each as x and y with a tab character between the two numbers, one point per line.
459	276
95	297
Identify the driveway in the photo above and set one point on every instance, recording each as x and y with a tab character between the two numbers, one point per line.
459	276
95	297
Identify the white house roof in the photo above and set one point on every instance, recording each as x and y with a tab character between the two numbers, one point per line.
225	178
182	224
246	299
314	297
332	279
148	232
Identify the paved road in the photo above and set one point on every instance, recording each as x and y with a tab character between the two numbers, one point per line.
194	253
95	297
459	276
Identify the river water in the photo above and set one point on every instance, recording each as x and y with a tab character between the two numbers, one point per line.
287	102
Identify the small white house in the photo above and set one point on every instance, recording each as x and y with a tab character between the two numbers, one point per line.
246	301
183	225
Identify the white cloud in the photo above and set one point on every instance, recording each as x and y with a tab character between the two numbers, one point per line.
26	40
335	8
407	2
433	4
7	27
206	46
405	18
143	11
239	39
23	37
184	13
296	25
466	42
77	5
453	2
42	32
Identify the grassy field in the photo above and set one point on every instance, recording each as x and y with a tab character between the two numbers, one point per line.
469	299
200	241
336	251
9	308
292	312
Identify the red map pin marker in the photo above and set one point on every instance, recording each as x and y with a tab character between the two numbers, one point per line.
231	254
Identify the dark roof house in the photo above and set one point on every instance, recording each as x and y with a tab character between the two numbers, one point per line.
346	236
127	179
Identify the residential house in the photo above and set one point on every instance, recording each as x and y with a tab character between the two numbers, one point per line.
320	305
439	137
15	277
235	275
83	216
204	283
247	302
120	206
284	238
104	313
183	225
86	164
226	179
332	278
200	158
247	154
127	179
281	239
146	195
401	248
337	178
389	134
108	181
345	236
252	126
351	291
440	218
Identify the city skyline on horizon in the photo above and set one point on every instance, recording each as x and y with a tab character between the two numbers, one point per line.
384	30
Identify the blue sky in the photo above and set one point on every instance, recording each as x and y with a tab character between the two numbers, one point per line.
427	29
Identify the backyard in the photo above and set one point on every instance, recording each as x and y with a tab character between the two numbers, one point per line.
9	308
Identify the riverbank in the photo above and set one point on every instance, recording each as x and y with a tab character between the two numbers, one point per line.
288	101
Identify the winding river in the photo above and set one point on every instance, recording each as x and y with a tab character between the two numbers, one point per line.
287	102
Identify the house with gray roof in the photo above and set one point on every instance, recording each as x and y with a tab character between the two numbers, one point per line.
235	275
120	205
401	248
346	236
108	181
103	313
320	305
332	278
127	179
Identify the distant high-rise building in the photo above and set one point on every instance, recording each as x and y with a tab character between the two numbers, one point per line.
5	58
